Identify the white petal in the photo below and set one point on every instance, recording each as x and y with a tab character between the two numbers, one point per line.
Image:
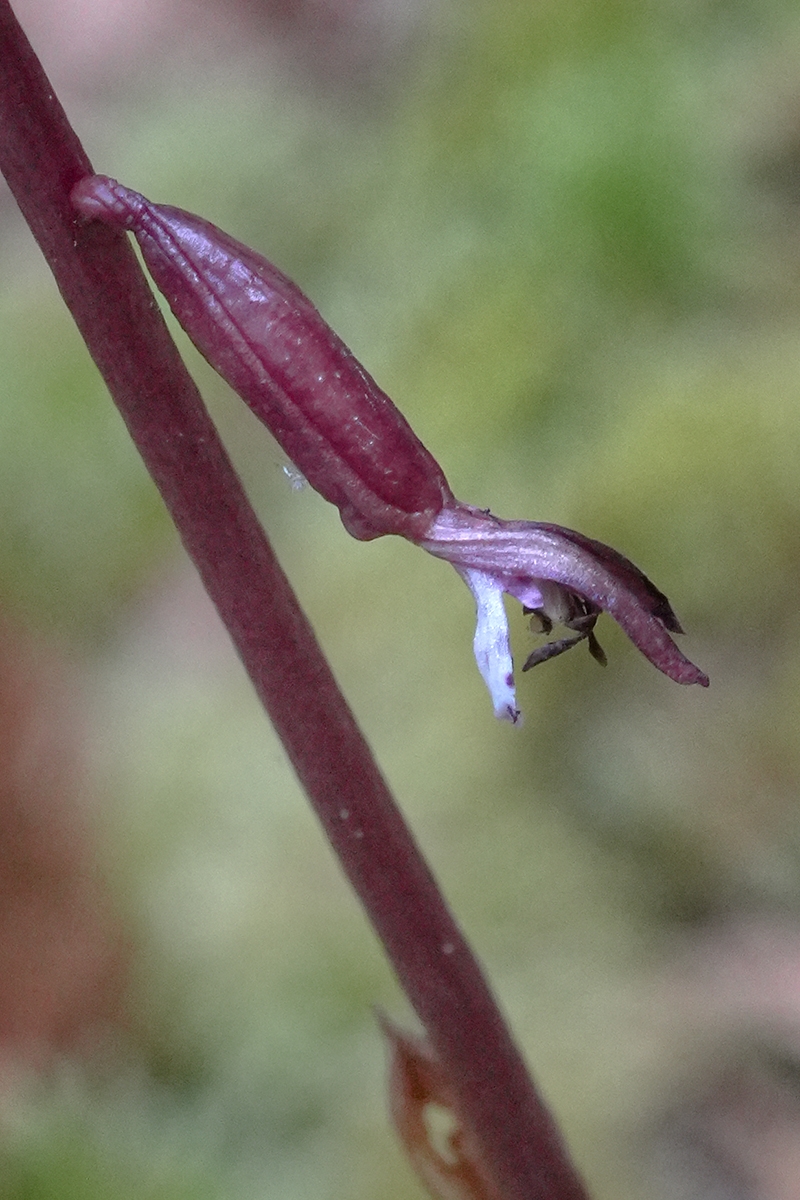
492	651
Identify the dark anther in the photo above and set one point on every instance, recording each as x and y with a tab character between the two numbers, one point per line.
540	622
551	650
583	623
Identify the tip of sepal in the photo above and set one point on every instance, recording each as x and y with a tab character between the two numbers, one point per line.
422	1106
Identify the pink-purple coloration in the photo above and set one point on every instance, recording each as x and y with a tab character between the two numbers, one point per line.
268	341
543	566
266	338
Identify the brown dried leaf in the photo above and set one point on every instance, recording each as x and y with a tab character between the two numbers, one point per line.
422	1105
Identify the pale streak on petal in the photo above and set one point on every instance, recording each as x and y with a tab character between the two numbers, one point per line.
491	644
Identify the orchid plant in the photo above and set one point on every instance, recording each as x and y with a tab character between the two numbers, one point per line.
259	331
351	443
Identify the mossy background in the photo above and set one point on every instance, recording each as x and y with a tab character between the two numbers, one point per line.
565	238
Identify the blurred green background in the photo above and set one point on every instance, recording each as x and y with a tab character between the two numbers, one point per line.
565	238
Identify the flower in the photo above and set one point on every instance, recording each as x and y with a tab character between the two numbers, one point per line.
351	443
561	577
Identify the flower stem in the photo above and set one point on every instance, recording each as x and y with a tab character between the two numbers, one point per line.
102	285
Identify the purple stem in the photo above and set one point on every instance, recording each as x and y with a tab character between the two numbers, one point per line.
105	291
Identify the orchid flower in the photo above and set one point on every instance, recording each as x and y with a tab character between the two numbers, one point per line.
262	334
559	576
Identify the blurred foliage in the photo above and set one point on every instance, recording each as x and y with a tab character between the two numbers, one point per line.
564	236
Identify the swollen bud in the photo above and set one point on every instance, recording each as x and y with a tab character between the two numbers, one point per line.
258	330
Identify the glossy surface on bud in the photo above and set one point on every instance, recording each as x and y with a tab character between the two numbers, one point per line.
258	330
